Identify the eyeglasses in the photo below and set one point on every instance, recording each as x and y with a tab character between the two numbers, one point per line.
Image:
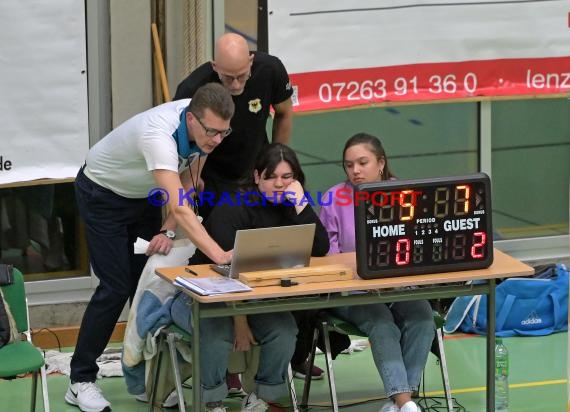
211	132
241	78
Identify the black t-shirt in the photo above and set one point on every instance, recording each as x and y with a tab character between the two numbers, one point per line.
229	217
268	85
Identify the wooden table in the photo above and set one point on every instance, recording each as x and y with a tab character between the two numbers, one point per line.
333	294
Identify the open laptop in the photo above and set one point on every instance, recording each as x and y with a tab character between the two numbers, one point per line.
270	248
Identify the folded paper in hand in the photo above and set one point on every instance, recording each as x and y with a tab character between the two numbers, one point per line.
140	246
212	285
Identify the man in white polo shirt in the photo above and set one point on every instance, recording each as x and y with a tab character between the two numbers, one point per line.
144	163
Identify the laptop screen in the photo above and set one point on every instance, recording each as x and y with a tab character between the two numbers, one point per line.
272	248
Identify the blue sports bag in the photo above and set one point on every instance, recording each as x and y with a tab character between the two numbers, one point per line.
532	306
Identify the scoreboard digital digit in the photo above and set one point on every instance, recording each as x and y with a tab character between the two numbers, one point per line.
406	227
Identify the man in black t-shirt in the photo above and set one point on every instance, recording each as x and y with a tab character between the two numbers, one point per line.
256	81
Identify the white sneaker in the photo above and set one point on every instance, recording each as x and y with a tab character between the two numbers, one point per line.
410	406
215	407
389	406
88	397
170	401
251	403
142	397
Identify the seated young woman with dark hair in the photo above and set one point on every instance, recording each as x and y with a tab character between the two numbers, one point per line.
272	191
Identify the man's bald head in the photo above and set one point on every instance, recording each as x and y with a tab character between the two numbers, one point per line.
231	52
232	61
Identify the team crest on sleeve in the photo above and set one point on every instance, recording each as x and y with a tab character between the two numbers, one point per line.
255	105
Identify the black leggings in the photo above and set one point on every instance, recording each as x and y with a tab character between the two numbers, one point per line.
307	320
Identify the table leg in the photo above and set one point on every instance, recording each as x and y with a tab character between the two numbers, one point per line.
491	346
196	387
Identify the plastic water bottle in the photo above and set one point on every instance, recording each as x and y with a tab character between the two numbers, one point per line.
501	376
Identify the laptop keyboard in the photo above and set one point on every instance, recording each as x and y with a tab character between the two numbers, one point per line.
223	270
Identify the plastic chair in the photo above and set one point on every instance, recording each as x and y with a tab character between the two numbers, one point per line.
329	322
22	357
166	343
168	338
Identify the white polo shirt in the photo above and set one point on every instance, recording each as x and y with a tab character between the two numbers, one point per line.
124	159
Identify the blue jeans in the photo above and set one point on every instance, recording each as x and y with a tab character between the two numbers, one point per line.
276	333
400	336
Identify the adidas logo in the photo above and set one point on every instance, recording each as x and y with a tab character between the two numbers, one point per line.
532	319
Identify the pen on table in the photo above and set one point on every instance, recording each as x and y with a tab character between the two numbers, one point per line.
188	270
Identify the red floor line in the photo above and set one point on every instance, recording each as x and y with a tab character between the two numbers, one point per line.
461	336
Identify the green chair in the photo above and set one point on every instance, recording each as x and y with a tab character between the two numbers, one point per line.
180	371
22	357
328	322
166	344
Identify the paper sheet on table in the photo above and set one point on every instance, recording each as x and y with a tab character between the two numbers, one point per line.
212	285
141	246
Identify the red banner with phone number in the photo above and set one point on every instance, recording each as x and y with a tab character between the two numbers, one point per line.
325	90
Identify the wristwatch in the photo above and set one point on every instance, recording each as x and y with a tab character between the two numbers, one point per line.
168	233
